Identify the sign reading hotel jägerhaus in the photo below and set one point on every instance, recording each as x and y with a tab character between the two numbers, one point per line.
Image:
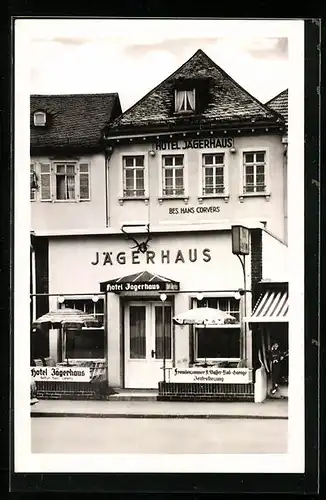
212	143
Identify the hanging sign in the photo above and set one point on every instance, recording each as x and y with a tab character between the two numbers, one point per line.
211	375
60	373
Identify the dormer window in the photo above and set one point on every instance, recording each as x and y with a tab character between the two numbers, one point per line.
39	119
185	101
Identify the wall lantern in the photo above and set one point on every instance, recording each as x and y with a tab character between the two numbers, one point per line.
152	152
233	150
95	298
240	240
199	296
61	300
239	294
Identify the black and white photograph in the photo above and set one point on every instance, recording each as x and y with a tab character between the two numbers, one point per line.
159	245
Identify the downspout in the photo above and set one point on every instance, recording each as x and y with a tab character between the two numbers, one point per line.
285	188
108	154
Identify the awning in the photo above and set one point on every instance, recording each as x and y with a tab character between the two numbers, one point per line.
143	281
272	307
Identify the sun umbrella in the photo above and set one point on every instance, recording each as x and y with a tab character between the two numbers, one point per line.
66	318
204	316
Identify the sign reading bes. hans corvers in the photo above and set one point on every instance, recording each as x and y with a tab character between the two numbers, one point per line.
212	143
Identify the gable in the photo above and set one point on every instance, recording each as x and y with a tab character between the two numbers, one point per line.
279	104
219	100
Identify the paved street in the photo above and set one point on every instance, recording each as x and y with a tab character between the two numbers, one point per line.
146	435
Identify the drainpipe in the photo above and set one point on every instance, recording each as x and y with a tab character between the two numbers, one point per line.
108	154
285	188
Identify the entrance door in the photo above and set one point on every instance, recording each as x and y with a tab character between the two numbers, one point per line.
144	343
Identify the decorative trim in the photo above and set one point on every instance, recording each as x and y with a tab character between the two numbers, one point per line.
164	198
226	197
254	195
136	198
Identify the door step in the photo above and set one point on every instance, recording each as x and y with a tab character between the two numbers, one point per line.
134	395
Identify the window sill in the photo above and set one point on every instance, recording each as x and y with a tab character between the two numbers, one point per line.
254	195
225	196
145	199
185	112
165	198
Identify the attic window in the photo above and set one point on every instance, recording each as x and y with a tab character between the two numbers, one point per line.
39	119
185	101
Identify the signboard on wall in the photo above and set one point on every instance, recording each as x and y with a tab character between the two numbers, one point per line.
60	374
211	143
142	287
211	375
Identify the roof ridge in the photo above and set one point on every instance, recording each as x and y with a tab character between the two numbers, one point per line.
77	95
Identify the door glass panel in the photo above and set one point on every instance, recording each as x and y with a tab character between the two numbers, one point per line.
159	341
137	332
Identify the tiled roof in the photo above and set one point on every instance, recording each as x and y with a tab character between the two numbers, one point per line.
279	103
74	120
223	101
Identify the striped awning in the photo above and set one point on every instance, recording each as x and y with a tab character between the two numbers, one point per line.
272	307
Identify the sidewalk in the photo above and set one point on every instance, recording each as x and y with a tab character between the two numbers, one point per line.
269	409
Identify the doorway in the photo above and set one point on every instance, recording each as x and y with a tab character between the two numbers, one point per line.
144	343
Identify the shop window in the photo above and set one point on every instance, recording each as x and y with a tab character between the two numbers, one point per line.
173	175
222	343
87	343
213	174
65	181
88	306
185	101
254	174
133	176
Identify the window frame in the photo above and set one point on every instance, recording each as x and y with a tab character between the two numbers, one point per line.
225	164
242	191
39	114
235	326
185	111
77	299
161	178
55	165
133	154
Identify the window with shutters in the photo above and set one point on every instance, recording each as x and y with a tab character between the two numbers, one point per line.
64	181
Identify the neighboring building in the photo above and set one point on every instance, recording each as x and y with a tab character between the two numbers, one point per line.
68	179
193	157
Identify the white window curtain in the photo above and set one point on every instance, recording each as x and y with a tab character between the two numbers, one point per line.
180	100
191	98
70	187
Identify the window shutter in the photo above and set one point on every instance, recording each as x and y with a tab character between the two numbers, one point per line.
32	182
84	185
45	182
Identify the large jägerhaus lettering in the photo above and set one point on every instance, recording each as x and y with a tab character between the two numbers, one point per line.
152	257
212	143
